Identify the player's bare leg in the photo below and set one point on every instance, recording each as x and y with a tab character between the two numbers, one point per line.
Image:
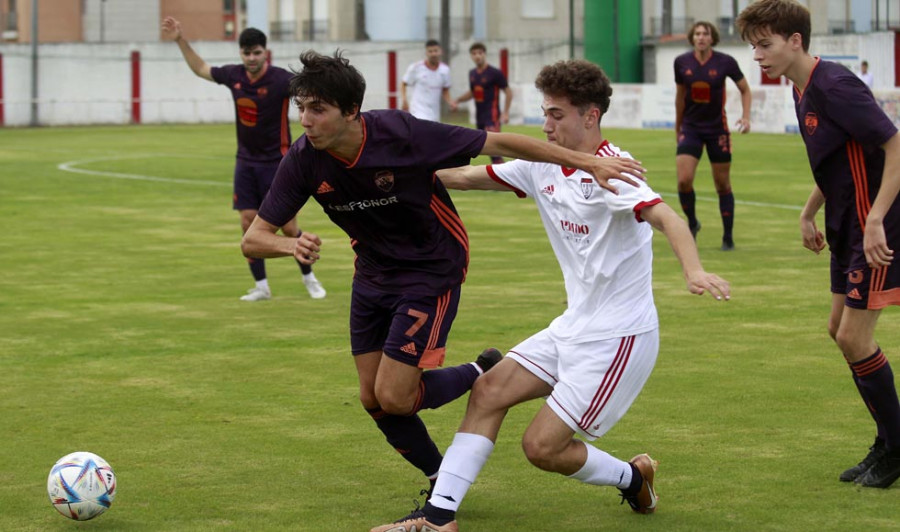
686	168
313	286
261	290
721	178
874	379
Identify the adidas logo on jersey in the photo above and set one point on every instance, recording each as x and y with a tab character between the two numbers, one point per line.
854	294
409	349
324	188
548	190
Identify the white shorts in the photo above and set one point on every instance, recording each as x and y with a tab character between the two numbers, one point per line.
594	383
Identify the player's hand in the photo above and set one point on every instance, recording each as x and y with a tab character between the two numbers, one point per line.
171	29
701	282
878	254
307	247
743	126
622	168
813	239
454	106
504	118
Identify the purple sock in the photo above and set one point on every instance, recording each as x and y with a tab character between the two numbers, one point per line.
440	386
409	437
726	209
688	201
876	381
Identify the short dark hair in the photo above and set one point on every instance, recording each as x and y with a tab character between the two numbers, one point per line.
251	37
332	80
431	42
779	17
582	82
477	46
713	32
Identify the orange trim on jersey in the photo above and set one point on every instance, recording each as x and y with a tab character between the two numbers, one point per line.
432	358
798	91
285	132
860	181
495	107
440	312
881	299
876	363
452	222
349	164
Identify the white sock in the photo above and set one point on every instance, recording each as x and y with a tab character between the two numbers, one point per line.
461	465
263	284
309	277
601	469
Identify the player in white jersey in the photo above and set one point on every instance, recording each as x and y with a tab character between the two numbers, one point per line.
430	82
592	361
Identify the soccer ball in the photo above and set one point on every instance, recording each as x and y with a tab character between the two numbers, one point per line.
81	486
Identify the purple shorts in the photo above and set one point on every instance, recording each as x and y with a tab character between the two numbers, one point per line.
718	144
409	328
251	183
865	287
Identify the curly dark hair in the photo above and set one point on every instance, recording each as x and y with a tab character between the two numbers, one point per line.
582	82
329	79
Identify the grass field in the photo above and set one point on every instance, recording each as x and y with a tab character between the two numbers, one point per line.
122	334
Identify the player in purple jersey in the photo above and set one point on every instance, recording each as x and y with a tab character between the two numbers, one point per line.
373	174
485	84
854	152
261	103
700	121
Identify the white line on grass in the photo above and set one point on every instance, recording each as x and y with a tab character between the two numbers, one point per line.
70	166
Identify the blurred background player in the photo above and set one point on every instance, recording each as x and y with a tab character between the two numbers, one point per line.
700	121
593	360
430	82
261	102
865	75
485	84
854	153
412	250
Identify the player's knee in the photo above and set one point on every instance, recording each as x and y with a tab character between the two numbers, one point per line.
833	326
393	402
540	452
483	390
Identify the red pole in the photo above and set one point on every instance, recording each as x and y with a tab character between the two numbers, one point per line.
268	56
1	91
135	87
504	62
392	79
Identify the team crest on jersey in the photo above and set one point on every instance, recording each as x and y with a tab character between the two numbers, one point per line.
262	91
384	180
689	72
713	72
237	86
587	187
811	121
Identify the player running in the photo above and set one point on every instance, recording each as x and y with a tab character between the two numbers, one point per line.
373	174
261	103
593	360
854	153
700	121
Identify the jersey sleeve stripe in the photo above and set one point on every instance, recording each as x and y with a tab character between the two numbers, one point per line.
495	177
860	181
642	205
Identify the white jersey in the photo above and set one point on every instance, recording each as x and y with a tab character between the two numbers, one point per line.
426	85
603	247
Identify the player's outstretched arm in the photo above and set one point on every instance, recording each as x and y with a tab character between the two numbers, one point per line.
261	242
469	178
171	29
878	254
813	239
664	219
743	124
530	149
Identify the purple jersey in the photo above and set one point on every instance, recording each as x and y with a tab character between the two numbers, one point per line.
843	128
261	111
403	227
704	99
485	86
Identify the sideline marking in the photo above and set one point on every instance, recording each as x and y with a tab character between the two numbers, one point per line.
70	166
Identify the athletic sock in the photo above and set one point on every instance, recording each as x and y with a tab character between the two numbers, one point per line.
878	424
464	460
688	202
257	268
263	284
305	269
726	209
410	438
440	386
601	469
876	381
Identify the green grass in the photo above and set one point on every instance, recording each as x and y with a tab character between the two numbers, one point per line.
122	334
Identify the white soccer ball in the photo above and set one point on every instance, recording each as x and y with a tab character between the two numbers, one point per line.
81	486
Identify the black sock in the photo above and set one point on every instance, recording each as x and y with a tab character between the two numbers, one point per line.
878	425
636	481
257	268
688	201
726	209
408	435
438	516
305	269
876	381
